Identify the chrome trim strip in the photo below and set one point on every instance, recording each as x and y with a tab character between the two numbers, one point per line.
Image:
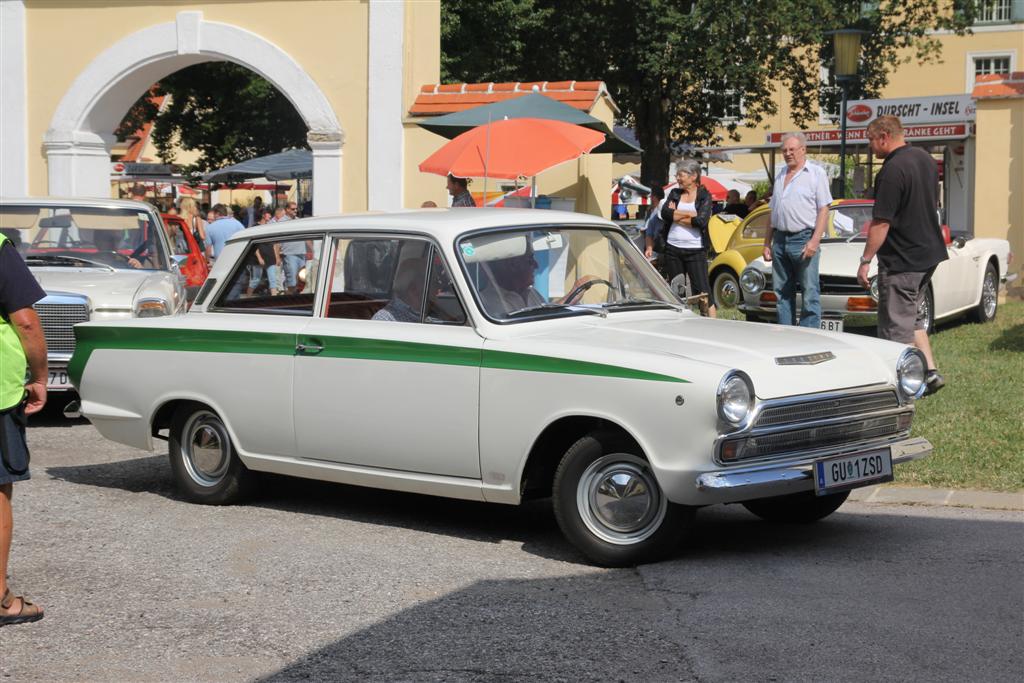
797	474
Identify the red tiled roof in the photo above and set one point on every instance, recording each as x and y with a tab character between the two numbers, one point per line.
992	86
437	99
141	136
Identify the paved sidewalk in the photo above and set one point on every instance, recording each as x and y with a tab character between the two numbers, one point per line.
902	495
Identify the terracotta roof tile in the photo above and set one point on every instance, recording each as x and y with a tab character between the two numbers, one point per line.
436	99
993	86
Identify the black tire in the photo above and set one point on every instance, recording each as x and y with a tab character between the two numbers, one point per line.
797	508
621	532
213	475
988	302
725	288
928	307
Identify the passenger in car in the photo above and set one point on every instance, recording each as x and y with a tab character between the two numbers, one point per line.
407	299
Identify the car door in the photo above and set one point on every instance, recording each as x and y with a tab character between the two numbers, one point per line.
388	374
955	280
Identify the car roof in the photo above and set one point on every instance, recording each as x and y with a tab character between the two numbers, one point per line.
92	202
444	224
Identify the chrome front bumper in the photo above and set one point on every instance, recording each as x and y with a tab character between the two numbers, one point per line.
763	481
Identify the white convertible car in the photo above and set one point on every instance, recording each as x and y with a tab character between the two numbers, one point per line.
498	355
965	284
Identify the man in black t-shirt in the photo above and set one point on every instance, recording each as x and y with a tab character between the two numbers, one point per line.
906	236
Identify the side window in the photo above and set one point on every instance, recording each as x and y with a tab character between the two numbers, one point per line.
391	279
274	276
757	227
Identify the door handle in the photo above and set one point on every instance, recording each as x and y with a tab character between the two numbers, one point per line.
311	349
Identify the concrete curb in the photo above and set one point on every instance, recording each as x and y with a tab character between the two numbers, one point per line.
899	495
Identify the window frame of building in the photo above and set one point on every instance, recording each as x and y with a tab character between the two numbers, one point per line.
740	106
971	73
994	12
827	118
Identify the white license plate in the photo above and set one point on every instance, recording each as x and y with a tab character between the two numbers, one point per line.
846	472
832	324
58	379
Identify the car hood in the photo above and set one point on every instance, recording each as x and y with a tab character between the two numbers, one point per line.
690	347
104	289
837	258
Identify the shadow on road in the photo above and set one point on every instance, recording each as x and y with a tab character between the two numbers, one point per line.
1010	340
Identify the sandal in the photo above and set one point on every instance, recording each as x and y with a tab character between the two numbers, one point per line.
29	611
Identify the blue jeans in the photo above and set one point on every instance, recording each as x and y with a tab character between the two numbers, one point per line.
790	268
292	265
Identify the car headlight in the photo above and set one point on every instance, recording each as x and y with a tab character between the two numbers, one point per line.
735	398
152	308
910	371
873	288
752	281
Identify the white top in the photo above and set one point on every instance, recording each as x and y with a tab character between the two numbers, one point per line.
683	236
795	206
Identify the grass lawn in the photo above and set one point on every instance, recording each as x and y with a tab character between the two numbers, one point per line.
976	423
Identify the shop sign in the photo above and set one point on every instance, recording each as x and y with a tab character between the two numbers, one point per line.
859	135
910	110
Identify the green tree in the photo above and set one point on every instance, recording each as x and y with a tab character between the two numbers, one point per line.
223	110
673	66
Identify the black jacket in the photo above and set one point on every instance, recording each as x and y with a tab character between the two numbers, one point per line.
703	204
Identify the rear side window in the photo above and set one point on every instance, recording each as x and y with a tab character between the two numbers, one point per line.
757	228
275	276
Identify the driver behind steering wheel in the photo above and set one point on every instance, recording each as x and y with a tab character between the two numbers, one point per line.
512	285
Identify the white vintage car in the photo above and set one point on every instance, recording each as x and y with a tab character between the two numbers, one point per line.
498	355
965	284
97	259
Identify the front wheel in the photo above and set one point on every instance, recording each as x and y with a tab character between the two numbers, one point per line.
609	504
926	310
797	508
985	311
726	288
203	459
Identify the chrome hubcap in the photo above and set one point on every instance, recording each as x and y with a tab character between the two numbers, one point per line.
727	291
619	500
205	448
988	295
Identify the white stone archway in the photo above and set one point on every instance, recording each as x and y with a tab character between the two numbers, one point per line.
78	141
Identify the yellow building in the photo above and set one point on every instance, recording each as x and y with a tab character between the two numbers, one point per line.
70	71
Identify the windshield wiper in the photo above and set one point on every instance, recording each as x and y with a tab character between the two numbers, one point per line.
634	301
551	305
61	257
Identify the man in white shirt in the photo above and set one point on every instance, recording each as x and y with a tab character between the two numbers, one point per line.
799	211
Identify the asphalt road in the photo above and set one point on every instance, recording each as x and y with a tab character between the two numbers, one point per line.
326	582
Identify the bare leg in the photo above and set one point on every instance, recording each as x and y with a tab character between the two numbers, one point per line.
6	527
925	347
712	312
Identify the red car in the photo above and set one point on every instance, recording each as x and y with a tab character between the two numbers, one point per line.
195	268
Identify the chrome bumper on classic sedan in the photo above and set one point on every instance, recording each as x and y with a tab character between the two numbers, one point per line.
787	441
842	298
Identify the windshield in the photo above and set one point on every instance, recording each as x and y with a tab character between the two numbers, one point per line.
519	274
849	222
85	237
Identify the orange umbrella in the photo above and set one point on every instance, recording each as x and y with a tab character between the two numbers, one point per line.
510	148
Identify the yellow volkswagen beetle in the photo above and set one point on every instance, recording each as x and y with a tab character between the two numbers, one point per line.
744	245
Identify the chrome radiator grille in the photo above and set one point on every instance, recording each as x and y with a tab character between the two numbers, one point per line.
57	320
819	437
826	408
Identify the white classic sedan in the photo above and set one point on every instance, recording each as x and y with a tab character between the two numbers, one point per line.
97	259
498	355
967	283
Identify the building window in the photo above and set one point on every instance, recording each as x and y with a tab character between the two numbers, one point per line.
991	65
727	105
994	12
829	97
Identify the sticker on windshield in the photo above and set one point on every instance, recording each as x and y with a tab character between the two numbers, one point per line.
143	216
467	250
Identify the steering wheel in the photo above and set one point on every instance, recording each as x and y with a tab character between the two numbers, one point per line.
578	291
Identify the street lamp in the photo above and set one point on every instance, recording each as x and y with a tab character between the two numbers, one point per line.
846	44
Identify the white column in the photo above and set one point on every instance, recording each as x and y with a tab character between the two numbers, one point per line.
384	167
327	172
78	165
13	100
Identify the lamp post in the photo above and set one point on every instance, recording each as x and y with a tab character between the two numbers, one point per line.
846	42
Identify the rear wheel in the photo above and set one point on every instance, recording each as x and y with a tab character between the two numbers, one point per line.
926	310
797	508
203	459
985	312
610	506
726	289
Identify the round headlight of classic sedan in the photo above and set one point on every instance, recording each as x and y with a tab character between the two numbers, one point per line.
910	372
735	398
152	308
873	288
752	281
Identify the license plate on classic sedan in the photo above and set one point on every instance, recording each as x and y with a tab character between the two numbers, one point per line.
58	379
832	324
846	472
